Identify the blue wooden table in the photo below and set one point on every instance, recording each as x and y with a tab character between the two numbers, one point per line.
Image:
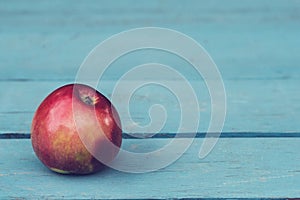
255	44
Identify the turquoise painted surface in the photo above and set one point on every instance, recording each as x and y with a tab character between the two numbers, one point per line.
237	168
255	44
252	105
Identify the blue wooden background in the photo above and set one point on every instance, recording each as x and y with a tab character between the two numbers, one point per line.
255	44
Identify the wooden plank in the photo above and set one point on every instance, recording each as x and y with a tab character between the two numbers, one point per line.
254	43
68	16
236	168
247	39
61	55
58	56
252	105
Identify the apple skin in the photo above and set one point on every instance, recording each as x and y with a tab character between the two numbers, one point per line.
66	112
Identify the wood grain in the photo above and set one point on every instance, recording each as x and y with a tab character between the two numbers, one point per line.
255	45
236	168
252	105
249	39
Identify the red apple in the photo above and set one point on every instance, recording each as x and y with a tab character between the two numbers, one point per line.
76	130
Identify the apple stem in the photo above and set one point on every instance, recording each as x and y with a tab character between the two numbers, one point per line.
88	100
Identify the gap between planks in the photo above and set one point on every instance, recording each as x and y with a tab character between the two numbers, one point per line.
182	135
